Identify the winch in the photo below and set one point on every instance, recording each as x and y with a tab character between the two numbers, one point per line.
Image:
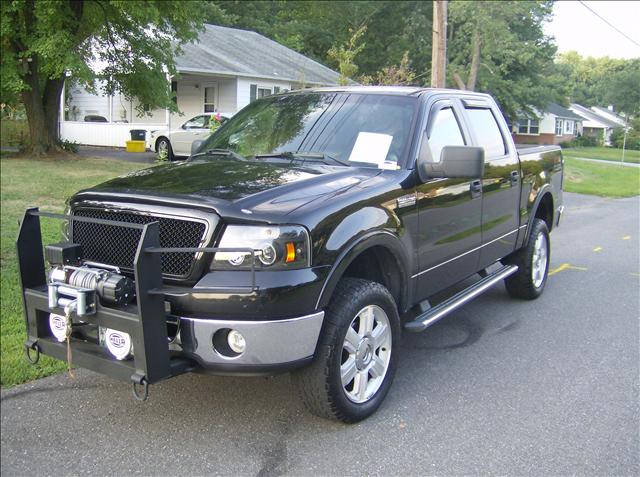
74	283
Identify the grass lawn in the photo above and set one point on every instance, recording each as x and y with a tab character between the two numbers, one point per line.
46	184
603	153
601	179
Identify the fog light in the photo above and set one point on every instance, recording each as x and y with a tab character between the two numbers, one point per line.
236	341
58	325
118	343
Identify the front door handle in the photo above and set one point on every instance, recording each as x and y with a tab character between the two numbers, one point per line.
476	188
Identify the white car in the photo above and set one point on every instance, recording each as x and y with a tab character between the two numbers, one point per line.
177	142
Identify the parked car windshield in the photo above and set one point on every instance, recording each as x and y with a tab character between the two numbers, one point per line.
356	129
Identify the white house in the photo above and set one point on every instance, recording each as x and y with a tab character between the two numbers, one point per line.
596	124
223	71
555	125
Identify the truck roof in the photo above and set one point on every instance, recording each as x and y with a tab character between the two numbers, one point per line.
399	90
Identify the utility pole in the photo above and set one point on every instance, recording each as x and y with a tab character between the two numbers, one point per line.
439	46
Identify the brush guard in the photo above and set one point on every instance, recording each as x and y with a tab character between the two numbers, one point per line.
145	320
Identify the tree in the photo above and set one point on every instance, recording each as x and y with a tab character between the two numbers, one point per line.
500	48
401	74
623	90
345	55
44	41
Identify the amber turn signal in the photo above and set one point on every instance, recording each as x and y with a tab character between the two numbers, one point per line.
291	253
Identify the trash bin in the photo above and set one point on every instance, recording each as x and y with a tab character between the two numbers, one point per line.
138	134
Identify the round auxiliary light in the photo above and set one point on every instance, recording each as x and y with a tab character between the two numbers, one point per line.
268	254
236	341
118	343
58	325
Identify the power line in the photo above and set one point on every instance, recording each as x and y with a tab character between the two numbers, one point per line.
607	22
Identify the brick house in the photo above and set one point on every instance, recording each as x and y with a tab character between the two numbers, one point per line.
553	126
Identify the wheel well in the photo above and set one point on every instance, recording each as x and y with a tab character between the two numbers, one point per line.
378	264
545	210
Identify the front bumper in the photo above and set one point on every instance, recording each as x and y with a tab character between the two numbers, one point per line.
270	345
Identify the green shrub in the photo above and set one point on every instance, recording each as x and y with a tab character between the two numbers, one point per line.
582	141
69	146
633	138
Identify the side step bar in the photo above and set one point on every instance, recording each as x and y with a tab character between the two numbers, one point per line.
429	317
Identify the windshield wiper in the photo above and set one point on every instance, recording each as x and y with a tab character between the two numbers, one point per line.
304	156
220	152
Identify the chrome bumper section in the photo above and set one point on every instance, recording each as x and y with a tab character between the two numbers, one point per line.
272	342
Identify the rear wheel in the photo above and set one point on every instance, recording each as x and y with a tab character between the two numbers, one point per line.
163	146
533	264
355	359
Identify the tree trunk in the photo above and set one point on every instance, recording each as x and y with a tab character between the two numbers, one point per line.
42	108
475	60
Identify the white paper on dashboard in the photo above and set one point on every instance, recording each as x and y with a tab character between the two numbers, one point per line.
371	148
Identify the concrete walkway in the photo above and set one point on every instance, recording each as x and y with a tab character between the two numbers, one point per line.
611	163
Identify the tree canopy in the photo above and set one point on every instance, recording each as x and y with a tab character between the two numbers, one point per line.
129	45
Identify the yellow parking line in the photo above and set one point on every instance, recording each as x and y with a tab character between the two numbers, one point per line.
634	274
626	237
597	249
565	266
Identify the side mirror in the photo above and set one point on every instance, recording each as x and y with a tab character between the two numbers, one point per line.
196	145
455	162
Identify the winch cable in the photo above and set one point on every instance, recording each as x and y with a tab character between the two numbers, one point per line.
68	309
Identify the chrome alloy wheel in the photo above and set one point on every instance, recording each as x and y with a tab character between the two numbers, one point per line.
163	145
539	260
366	353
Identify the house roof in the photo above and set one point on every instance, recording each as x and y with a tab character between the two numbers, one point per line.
593	119
610	115
236	52
562	112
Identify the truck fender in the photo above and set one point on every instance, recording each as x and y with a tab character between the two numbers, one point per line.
371	239
533	209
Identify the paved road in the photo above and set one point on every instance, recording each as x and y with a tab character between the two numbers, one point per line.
499	387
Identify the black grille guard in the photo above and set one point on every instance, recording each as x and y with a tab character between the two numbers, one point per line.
145	320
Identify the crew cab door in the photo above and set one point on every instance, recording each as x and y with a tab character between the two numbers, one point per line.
500	183
195	129
449	210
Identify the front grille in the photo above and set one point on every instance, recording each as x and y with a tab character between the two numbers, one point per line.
113	245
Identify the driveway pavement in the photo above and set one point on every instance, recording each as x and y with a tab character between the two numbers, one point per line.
499	387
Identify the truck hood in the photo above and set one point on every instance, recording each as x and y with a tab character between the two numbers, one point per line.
231	185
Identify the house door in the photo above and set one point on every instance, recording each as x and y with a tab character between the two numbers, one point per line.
210	99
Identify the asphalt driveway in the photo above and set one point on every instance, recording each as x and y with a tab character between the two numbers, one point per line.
499	387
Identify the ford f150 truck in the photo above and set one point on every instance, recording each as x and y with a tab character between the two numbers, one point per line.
302	236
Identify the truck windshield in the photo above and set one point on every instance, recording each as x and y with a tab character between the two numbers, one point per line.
351	129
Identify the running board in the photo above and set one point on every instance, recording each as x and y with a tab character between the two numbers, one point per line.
429	317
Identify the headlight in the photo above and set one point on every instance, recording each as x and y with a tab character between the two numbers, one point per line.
275	248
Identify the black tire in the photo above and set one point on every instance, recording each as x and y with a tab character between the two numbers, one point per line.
522	284
320	384
164	142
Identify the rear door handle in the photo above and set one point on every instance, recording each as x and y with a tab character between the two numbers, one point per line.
476	188
515	177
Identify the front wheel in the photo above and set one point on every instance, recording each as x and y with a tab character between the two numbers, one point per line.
163	147
355	359
533	264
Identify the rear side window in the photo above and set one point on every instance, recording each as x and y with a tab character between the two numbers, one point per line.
487	132
444	130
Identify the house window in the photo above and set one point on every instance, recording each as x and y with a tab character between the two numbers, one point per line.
209	99
558	127
262	92
568	127
528	126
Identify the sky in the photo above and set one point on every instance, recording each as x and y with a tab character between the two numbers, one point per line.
576	28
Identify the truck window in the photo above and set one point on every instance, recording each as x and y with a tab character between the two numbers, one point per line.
487	132
444	130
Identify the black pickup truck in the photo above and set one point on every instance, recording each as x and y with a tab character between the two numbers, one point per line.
302	236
